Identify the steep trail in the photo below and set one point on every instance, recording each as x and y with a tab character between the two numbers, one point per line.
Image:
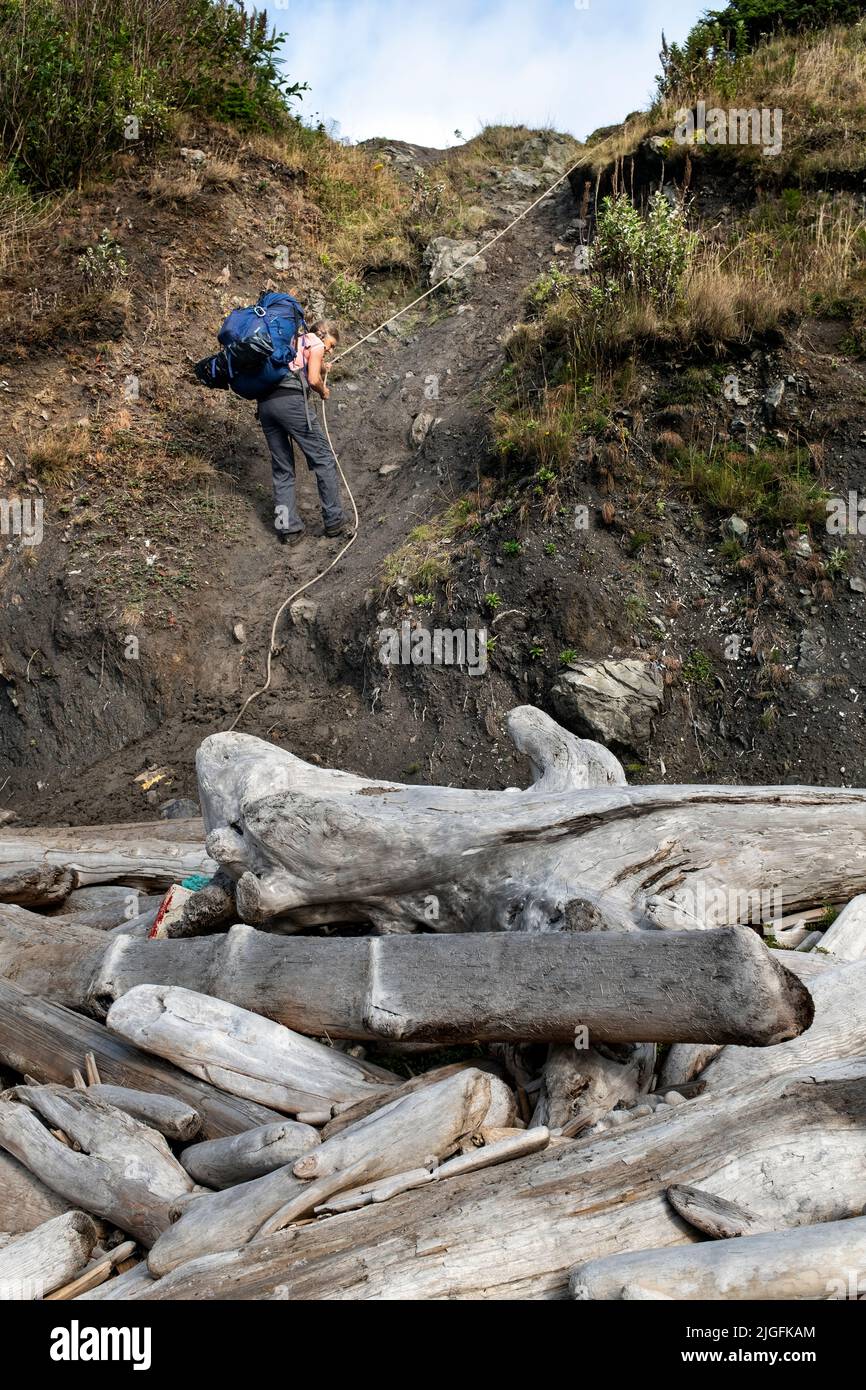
317	704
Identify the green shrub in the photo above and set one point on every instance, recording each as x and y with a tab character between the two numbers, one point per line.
647	256
76	77
716	49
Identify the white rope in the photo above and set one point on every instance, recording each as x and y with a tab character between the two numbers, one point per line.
272	649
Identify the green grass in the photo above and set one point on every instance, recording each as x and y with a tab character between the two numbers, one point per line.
774	485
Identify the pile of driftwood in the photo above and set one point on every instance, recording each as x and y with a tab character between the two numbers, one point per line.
246	1096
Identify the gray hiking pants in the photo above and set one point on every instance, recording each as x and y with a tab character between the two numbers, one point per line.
283	418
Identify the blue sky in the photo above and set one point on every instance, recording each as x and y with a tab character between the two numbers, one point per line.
420	69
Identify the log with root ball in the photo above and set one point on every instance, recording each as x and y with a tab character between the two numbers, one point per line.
516	1231
717	986
575	849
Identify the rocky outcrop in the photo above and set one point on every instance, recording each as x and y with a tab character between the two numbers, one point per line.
612	701
447	257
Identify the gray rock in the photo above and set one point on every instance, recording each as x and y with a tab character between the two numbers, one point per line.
611	700
239	632
736	527
304	610
812	651
857	586
447	257
802	547
521	181
423	424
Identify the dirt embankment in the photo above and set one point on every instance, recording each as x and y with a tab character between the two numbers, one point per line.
91	696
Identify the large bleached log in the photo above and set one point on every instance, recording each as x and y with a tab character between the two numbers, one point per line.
124	1172
845	939
414	1132
49	956
622	986
25	1202
295	836
156	853
516	1231
48	1042
243	1053
839	1030
46	1257
809	1262
219	1163
172	1117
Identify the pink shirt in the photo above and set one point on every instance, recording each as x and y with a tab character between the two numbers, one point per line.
307	342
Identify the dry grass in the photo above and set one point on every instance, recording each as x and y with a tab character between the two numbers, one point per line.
55	456
353	203
73	318
175	190
817	81
21	218
220	174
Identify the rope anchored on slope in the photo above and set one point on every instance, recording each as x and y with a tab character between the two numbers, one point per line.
503	232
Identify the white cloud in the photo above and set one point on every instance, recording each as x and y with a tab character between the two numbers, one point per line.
421	70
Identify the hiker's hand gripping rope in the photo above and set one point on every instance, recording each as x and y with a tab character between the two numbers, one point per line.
272	649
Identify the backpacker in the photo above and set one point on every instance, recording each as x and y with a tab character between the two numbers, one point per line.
256	347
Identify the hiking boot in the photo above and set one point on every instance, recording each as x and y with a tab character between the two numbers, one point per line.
338	529
289	537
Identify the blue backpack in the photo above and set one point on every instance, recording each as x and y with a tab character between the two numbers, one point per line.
256	347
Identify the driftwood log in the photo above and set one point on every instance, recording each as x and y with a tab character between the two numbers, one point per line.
46	1257
579	1087
154	854
300	839
517	1230
809	1262
719	986
121	1170
845	939
172	1117
838	1030
43	886
49	1042
25	1202
243	1053
219	1163
417	1131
